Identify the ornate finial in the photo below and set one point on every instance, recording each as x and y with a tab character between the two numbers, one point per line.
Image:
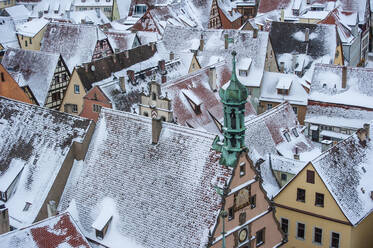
234	76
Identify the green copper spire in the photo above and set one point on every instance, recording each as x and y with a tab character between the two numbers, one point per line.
234	98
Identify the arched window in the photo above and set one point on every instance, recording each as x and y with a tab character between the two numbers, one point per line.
154	96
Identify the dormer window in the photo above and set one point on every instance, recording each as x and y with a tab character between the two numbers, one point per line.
283	85
140	9
244	67
194	102
101	224
287	136
243	73
295	132
27	206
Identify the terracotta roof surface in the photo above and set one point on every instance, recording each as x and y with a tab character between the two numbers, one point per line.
34	143
166	190
56	231
30	68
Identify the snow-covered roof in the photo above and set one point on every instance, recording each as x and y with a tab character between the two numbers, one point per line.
123	8
195	86
180	39
229	10
56	231
347	173
359	6
267	133
89	16
18	13
288	165
52	8
8	37
326	86
269	183
31	68
75	42
272	81
34	141
93	3
121	40
32	28
166	190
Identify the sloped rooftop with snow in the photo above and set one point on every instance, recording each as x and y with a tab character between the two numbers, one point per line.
30	68
56	231
156	191
8	37
34	144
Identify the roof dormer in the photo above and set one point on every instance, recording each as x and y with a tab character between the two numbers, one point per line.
244	67
283	85
193	100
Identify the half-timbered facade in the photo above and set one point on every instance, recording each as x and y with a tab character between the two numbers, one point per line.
215	21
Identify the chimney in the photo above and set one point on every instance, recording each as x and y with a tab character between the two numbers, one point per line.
172	56
131	75
4	219
307	35
226	41
164	79
282	67
114	57
127	53
201	43
296	154
282	18
326	145
51	208
255	33
344	77
156	130
152	45
162	65
85	67
98	11
82	21
122	84
212	78
366	126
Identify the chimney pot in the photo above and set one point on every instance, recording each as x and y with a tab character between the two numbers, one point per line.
307	35
326	145
172	56
85	67
162	65
212	78
127	53
51	208
226	41
255	33
164	79
282	67
367	129
201	43
4	219
344	77
131	76
296	156
156	130
122	84
282	15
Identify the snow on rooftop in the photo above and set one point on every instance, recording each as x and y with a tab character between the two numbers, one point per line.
37	140
18	13
32	28
166	189
8	37
57	231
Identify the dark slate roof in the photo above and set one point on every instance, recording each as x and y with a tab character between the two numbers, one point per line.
55	231
289	38
30	68
159	195
34	141
103	68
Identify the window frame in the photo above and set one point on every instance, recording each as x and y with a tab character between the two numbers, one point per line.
314	236
284	177
242	169
96	108
73	108
76	86
2	77
230	213
287	226
262	231
323	199
310	176
331	240
297	231
298	198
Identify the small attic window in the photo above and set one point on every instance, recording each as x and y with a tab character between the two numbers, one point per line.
243	73
140	9
101	224
295	132
194	102
2	77
287	136
27	206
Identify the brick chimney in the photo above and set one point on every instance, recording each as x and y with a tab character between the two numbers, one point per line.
172	56
85	67
122	84
127	54
326	145
4	219
131	75
114	57
153	46
296	154
162	65
282	67
212	78
366	126
225	41
282	18
164	79
201	43
255	33
156	130
307	35
344	77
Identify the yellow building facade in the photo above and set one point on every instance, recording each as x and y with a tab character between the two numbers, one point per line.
29	39
311	217
73	100
7	3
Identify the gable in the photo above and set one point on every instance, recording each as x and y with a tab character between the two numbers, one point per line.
96	94
287	196
10	88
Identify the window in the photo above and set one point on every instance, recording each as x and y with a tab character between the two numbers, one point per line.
284	177
56	96
319	200
300	230
253	201
269	106
295	132
96	108
242	169
285	226
317	235
64	77
301	195
140	9
75	108
76	89
154	96
26	43
334	240
310	176
260	237
30	41
287	136
27	206
3	196
230	214
57	78
243	73
2	77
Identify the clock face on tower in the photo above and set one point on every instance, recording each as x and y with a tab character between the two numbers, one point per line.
242	235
